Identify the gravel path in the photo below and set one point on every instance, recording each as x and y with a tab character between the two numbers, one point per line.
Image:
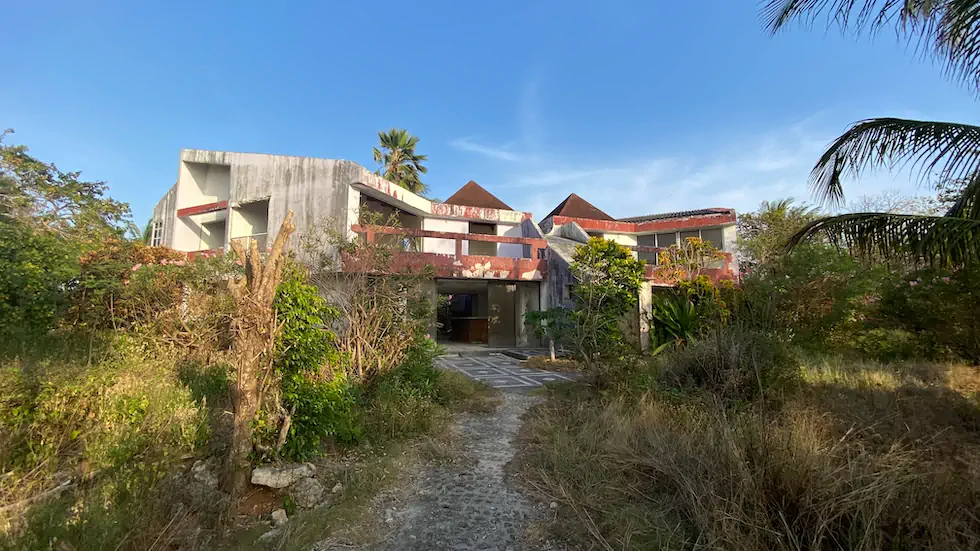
469	503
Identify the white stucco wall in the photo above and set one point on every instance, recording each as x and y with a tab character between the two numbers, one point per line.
510	249
249	219
622	239
444	246
731	244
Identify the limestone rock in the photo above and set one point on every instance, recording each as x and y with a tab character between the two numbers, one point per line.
201	472
307	492
279	517
283	475
337	488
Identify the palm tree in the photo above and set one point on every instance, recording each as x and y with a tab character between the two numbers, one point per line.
948	31
399	162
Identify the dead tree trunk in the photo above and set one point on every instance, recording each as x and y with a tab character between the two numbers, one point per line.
254	329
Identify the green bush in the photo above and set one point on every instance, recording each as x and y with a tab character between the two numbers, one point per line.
886	344
321	400
733	363
35	272
119	425
941	308
320	410
406	399
608	280
810	293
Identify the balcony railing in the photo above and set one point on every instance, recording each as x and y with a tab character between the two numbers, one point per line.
720	268
261	240
531	265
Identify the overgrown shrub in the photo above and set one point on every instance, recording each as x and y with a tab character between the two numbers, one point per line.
941	308
608	279
733	363
406	399
109	432
316	393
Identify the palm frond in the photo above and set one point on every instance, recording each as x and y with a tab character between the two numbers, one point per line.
935	149
968	204
936	240
947	30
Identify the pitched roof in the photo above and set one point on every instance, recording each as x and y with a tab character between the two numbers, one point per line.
575	207
680	214
473	195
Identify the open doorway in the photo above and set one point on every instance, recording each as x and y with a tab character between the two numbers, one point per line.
464	311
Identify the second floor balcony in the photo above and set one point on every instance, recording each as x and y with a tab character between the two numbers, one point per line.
513	258
716	269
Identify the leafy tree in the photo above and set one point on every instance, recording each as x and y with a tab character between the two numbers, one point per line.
762	235
608	282
399	162
48	220
950	32
38	194
34	269
553	324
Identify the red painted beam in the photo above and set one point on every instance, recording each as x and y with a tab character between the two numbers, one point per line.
201	209
613	226
460	267
411	232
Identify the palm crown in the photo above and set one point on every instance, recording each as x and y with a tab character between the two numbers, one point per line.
948	31
399	162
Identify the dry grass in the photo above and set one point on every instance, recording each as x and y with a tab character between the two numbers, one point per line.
547	364
860	456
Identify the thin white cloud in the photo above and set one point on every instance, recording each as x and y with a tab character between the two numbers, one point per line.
503	153
772	167
740	174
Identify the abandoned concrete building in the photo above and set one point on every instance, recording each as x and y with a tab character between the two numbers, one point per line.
491	263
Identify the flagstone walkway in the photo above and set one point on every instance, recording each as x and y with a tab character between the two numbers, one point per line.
501	371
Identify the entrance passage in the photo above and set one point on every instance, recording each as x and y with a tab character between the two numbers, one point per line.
486	313
464	311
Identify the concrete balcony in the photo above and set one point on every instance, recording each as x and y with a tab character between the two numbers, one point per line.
411	255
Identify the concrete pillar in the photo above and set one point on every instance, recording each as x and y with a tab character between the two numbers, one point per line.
645	307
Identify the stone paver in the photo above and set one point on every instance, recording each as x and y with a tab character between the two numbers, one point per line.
472	502
501	371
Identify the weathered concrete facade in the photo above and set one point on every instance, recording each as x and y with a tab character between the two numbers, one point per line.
515	265
220	197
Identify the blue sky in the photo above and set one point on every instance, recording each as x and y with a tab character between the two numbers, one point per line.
638	106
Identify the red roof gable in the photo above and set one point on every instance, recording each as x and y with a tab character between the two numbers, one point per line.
473	195
575	207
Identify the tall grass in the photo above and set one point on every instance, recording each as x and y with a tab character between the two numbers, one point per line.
828	466
84	446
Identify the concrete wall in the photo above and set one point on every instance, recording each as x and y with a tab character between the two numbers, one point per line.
205	183
510	249
444	246
528	300
731	245
622	239
166	211
315	189
249	219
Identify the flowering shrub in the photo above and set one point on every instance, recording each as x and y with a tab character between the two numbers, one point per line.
941	308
